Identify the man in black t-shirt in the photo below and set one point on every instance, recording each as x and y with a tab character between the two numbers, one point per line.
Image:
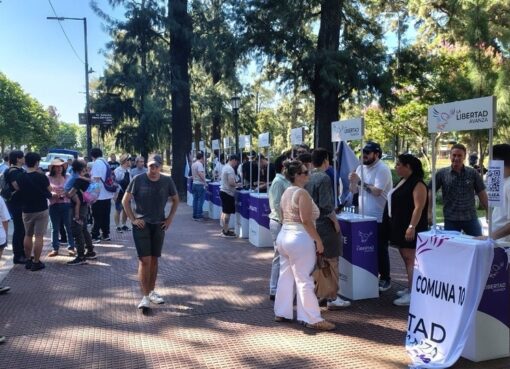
35	191
16	162
114	164
150	192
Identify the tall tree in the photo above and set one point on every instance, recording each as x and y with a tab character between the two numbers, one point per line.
179	26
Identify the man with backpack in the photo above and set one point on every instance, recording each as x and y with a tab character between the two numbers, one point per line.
101	173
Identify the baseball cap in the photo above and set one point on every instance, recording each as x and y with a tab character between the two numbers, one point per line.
372	147
155	159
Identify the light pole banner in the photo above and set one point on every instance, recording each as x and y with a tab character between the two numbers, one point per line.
449	278
495	182
201	145
226	142
463	115
193	146
264	140
296	136
215	144
346	130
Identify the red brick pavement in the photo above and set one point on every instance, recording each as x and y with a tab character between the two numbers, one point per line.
217	313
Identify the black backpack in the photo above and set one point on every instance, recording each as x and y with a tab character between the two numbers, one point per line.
6	190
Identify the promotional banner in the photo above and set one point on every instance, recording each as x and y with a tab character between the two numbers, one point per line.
226	142
215	144
245	141
449	278
296	136
463	115
201	145
495	182
264	140
347	130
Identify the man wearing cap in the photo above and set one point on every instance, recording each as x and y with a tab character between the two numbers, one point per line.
227	194
101	208
377	183
122	177
150	192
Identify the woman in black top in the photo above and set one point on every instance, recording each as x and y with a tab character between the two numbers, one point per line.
406	215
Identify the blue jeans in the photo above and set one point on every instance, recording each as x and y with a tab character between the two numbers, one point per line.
198	191
470	227
274	229
60	214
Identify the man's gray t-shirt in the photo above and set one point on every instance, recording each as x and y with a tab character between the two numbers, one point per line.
151	197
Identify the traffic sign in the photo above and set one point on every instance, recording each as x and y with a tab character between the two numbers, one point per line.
96	118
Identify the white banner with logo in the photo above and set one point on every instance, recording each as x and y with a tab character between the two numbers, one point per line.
215	144
347	130
495	182
463	115
296	136
227	142
450	274
264	140
201	145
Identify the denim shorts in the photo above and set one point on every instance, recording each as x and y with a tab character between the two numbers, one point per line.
149	240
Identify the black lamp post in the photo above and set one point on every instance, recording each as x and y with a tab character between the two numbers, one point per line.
235	101
87	71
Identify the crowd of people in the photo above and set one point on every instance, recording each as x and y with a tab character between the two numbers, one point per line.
303	218
63	197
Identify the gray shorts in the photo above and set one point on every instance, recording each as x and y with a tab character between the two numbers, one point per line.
36	224
149	240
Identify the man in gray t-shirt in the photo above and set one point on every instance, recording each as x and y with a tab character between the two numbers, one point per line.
150	192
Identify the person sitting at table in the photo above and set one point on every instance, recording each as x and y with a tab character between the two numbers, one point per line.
405	215
297	243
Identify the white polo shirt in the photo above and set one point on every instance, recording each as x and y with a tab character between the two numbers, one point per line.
378	175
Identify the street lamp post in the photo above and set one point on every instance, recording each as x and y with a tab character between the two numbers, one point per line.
87	71
235	101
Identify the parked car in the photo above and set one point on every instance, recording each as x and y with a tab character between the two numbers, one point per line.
63	154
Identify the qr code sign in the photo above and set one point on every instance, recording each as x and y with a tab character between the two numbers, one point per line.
493	178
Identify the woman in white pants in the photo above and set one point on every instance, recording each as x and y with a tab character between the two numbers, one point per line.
297	244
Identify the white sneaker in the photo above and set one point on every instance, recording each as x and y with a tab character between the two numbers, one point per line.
338	303
145	303
402	292
156	298
405	300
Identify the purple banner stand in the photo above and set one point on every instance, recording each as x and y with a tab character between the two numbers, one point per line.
490	335
260	236
358	271
214	200
243	213
189	197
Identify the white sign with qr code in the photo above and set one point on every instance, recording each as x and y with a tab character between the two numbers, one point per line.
495	182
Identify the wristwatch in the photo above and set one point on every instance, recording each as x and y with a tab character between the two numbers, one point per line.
410	226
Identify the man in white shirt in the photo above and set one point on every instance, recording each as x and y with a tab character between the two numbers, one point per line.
198	187
227	194
101	208
377	183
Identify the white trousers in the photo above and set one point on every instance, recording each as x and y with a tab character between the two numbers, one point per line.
297	260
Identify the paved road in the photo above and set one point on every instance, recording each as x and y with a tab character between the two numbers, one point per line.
217	313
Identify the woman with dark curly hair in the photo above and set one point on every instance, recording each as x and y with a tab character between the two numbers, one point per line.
298	242
406	215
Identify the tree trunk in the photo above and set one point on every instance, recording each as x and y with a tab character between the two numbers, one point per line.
216	110
325	86
180	28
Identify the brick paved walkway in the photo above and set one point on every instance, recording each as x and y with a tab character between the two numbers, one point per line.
217	313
